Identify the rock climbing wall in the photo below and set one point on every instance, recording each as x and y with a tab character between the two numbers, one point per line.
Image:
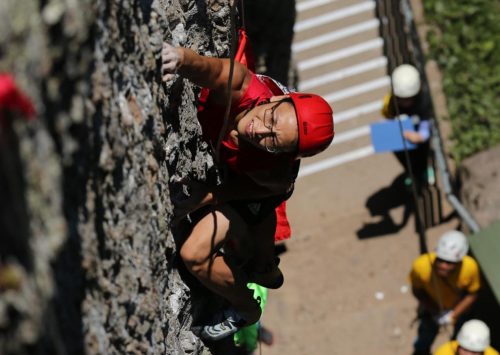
89	251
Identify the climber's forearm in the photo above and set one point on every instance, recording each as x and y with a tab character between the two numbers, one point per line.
213	74
202	71
209	73
465	304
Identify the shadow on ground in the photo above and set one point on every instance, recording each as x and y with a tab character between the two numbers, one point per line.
380	204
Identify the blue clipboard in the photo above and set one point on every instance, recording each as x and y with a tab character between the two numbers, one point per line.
386	136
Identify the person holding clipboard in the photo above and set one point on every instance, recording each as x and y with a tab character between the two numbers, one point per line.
411	102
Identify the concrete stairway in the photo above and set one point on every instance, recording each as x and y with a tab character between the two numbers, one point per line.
339	55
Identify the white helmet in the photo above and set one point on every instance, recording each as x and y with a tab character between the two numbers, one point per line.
474	336
452	246
406	81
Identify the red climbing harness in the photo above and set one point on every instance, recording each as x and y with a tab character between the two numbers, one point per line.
244	53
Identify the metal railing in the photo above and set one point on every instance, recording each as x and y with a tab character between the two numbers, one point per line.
409	42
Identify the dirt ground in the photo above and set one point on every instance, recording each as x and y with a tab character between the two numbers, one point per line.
346	289
343	294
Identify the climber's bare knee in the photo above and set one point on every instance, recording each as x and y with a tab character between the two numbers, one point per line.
208	236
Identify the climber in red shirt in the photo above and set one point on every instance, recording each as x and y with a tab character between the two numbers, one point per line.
265	137
12	100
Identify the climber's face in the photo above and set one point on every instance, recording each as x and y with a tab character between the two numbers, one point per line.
271	127
444	268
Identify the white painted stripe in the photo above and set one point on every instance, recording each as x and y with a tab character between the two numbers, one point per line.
307	5
335	161
358	111
341	54
358	89
343	73
352	134
335	35
334	16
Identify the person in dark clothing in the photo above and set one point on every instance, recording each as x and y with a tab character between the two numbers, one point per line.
411	102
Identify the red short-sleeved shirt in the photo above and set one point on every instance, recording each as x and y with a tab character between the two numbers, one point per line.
11	99
211	118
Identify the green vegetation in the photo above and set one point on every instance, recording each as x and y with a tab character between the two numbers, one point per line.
466	45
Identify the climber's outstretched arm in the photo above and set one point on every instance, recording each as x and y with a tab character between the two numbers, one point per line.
210	73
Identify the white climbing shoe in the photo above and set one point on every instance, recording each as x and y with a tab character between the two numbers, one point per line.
226	323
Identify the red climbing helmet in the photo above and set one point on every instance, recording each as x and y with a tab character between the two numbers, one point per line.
315	120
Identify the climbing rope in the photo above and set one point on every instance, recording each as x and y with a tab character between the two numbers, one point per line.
420	64
418	216
229	97
242	11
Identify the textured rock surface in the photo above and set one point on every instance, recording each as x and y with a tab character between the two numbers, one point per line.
93	176
480	178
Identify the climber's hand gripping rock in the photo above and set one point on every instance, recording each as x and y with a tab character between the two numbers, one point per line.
170	60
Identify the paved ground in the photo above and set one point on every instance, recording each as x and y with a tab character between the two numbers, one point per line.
344	294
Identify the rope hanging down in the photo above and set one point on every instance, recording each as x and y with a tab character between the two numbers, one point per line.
420	64
229	90
390	10
417	211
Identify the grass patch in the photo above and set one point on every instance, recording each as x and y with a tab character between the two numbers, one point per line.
466	45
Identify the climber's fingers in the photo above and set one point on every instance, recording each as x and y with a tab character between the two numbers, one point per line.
170	60
166	45
168	67
170	70
168	77
169	54
168	49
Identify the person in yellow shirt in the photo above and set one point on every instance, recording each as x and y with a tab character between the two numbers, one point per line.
458	280
410	100
473	339
407	89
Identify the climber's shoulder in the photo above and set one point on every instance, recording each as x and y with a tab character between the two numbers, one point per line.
240	81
